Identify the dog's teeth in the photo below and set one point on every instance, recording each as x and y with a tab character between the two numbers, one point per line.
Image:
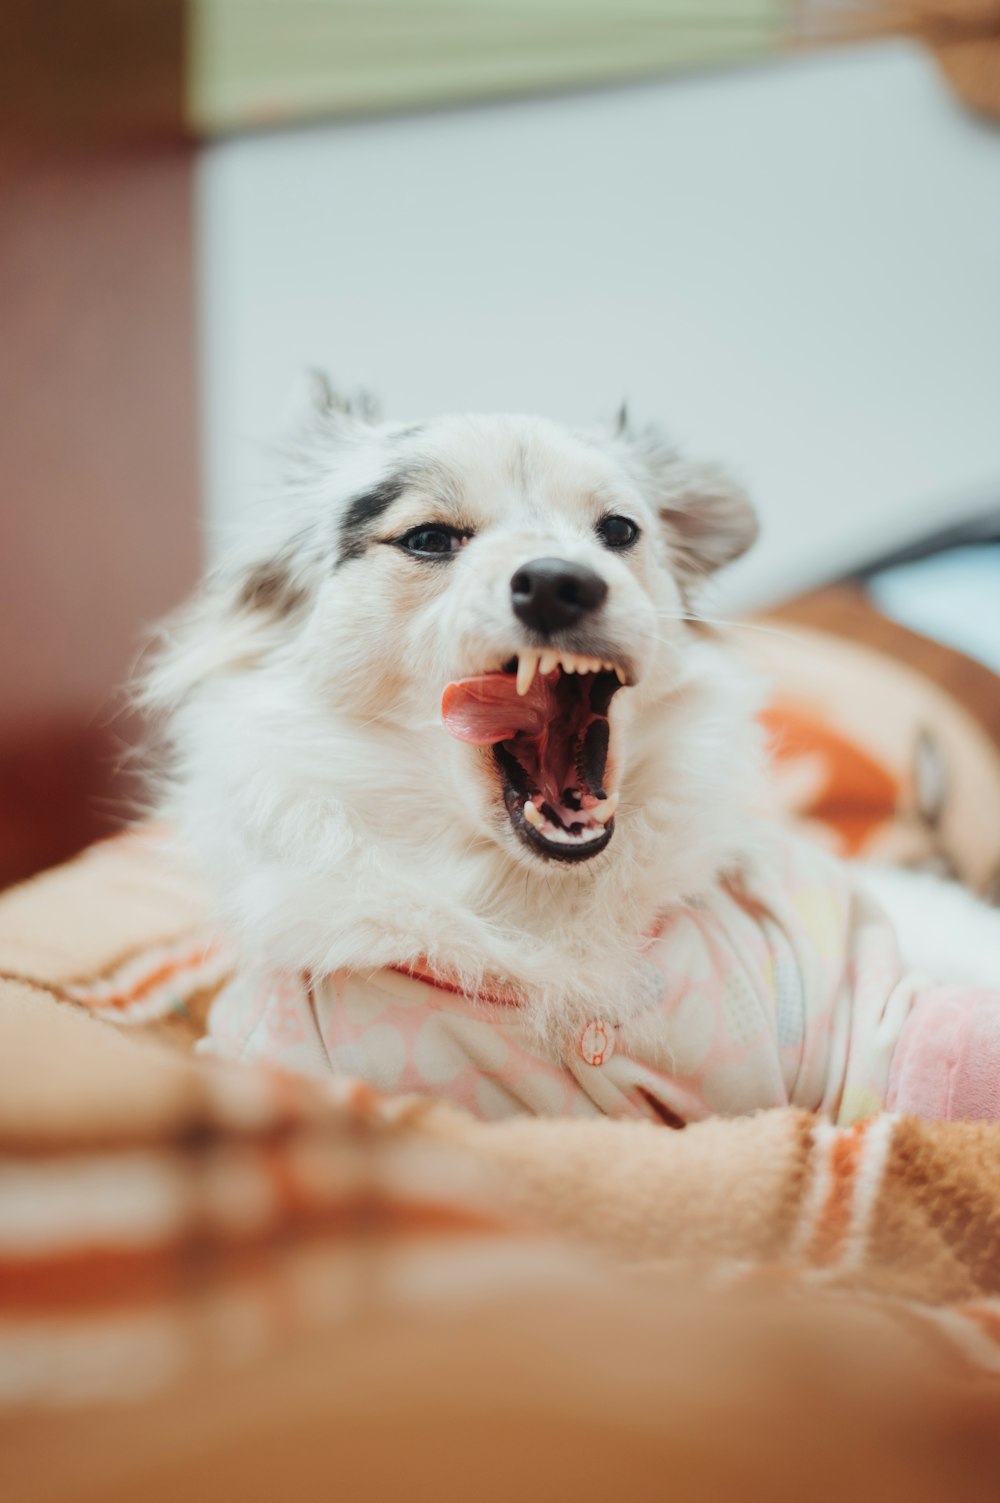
548	661
569	664
605	810
532	815
620	674
527	662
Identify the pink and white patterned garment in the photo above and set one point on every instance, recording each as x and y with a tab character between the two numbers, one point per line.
782	987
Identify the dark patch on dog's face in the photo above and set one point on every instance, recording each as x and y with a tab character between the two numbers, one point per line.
270	587
365	509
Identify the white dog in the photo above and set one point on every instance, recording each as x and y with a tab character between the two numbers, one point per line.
476	789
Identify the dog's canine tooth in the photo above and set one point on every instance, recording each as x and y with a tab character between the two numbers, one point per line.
527	662
548	661
532	815
620	674
605	810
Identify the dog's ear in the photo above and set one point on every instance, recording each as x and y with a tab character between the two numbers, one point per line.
708	517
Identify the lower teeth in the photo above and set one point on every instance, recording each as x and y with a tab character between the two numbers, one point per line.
580	833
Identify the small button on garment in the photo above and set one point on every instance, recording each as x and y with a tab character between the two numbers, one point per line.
597	1042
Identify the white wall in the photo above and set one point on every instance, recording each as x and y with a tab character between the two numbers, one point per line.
795	267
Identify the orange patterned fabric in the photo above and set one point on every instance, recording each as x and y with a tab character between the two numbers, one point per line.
877	759
853	794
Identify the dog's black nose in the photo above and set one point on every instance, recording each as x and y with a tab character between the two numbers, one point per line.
550	593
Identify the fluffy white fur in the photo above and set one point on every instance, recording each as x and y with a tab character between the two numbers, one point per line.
339	822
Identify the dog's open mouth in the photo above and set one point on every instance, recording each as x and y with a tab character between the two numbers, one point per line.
545	714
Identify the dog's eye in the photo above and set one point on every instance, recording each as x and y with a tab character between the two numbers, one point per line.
432	541
617	532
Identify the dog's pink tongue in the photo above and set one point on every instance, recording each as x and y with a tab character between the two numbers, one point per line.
488	709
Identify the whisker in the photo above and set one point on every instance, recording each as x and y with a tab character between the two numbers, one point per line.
720	621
